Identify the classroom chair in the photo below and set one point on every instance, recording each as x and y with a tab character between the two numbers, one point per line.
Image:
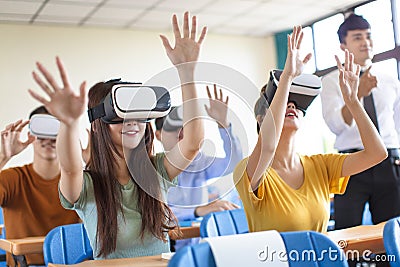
67	244
2	235
304	249
227	222
391	240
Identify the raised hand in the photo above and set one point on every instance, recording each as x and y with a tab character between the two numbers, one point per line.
348	77
11	143
294	65
186	48
64	103
218	109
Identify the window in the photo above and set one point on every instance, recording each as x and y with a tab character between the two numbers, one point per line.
308	47
389	65
381	25
326	41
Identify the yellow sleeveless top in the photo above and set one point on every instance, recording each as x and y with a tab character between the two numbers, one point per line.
277	206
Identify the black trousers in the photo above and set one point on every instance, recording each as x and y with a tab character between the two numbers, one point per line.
379	185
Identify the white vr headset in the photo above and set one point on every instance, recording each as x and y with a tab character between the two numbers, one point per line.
44	126
132	101
302	92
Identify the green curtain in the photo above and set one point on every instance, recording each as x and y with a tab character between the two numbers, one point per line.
281	48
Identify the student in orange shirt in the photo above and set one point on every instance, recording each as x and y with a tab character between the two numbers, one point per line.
29	193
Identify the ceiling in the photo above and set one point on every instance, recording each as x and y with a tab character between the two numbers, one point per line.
238	17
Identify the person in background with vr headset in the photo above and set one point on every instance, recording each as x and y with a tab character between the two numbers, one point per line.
380	95
186	201
29	194
120	197
282	190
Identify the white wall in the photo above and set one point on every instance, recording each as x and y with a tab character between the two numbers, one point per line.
93	55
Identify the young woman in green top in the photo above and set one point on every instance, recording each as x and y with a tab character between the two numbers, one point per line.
121	218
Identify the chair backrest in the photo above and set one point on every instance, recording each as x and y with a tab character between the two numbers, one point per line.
391	240
228	222
67	244
303	249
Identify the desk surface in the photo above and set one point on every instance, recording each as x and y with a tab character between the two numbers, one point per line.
23	246
29	245
153	261
360	238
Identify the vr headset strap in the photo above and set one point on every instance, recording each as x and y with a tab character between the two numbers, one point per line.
96	112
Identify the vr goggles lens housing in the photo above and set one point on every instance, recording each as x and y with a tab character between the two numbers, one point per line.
44	126
174	120
129	101
303	90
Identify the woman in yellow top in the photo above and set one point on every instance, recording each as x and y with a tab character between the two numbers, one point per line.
284	191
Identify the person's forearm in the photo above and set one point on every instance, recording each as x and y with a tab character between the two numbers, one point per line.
68	148
272	125
346	114
193	125
69	155
270	132
3	161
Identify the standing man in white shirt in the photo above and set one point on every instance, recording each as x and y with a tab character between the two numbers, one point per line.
380	94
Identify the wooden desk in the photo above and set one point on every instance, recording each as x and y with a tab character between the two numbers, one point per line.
360	238
20	247
187	232
153	261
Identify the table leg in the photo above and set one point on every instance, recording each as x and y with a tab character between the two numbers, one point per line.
21	259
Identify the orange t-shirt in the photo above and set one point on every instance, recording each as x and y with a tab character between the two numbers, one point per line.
31	206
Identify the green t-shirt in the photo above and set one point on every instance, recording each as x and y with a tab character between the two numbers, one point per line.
129	244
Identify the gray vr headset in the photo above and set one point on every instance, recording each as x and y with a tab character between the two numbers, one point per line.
303	91
44	126
132	101
174	120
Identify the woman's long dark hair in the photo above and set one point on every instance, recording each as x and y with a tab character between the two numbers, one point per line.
157	218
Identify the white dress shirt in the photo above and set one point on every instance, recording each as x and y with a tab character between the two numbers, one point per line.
387	105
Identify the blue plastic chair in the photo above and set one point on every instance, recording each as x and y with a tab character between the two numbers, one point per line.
200	255
228	222
391	240
2	235
67	244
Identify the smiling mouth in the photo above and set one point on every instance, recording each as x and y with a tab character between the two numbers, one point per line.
130	132
291	115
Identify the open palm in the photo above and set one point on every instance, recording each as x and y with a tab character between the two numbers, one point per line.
186	48
294	64
11	143
218	107
348	77
64	104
